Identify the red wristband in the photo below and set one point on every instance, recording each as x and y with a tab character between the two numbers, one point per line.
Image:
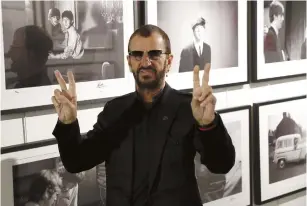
206	129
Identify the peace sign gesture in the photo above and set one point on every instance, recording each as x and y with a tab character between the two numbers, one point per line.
65	101
203	102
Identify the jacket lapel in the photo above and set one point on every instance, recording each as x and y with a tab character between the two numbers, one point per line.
165	117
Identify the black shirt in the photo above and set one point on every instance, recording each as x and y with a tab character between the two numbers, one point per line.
141	150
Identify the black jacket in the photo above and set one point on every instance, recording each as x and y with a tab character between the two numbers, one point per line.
175	142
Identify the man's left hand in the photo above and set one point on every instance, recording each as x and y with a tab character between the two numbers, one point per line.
203	102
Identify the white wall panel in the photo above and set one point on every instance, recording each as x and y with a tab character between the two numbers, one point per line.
39	125
11	130
87	118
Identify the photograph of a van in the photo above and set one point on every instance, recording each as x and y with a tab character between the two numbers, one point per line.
289	149
287	145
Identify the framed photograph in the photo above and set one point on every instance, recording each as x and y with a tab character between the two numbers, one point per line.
29	170
280	148
203	32
89	38
234	187
279	35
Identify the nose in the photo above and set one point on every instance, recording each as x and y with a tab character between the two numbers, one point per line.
145	60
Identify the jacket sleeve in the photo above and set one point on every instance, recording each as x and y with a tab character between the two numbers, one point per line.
215	147
82	152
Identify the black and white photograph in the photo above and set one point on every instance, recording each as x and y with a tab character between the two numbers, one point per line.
86	37
281	138
228	189
46	182
281	39
197	40
287	145
284	31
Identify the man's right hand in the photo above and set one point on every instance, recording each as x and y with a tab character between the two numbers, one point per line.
65	101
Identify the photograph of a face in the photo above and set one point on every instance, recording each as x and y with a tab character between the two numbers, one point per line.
281	33
88	38
228	189
46	182
284	30
204	32
198	39
71	34
281	138
287	145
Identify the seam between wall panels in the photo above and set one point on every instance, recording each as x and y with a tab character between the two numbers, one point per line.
24	126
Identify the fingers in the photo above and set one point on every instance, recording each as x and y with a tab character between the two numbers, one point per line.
72	83
60	80
205	93
206	75
56	104
196	81
62	99
210	100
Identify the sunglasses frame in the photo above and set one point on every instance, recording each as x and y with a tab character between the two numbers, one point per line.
148	53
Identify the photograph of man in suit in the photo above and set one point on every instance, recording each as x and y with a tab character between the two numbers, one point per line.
198	52
147	138
272	47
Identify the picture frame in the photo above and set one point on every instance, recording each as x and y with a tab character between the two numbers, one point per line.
228	61
278	124
21	169
278	56
107	73
234	187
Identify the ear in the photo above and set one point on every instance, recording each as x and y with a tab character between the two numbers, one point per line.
169	61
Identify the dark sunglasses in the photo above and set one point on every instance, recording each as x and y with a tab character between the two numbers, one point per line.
152	54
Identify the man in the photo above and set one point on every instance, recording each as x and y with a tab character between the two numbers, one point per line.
29	57
57	34
272	48
148	138
74	47
198	52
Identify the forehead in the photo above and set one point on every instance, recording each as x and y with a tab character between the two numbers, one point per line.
153	42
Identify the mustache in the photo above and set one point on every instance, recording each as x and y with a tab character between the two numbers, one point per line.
150	68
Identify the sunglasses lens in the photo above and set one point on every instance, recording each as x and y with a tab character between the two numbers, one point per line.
154	54
137	54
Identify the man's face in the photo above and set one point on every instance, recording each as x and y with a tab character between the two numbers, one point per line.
280	20
149	71
54	20
19	54
199	33
66	22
